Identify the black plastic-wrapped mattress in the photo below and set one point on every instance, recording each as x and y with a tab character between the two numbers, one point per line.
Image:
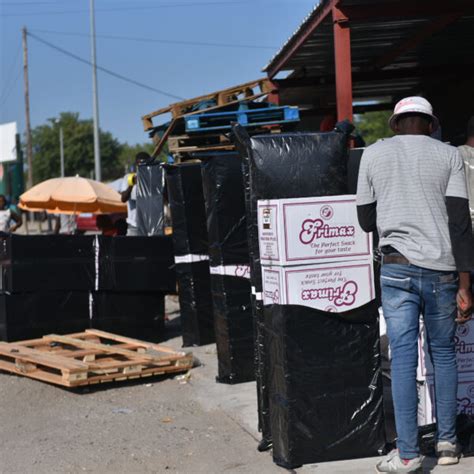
140	315
46	262
150	201
135	264
32	315
325	385
229	261
186	200
292	166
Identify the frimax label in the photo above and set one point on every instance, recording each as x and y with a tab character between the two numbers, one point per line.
311	230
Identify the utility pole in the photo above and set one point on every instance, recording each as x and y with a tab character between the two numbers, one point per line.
61	149
97	166
29	145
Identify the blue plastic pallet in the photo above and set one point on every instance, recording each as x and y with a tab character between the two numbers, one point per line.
246	118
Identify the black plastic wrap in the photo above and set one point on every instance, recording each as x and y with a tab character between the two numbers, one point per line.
353	165
46	262
33	315
325	385
228	251
277	167
140	315
136	264
150	203
234	329
195	301
186	200
225	208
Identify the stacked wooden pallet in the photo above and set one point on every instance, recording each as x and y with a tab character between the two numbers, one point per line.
90	357
202	124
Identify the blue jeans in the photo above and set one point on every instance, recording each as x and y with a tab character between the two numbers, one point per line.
407	292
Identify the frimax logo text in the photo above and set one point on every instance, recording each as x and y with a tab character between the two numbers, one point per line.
341	296
313	229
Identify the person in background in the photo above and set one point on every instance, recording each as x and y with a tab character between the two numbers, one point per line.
65	224
467	154
412	189
128	192
10	220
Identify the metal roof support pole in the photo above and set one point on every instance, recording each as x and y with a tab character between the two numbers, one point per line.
343	64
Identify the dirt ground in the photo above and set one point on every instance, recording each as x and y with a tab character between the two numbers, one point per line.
149	426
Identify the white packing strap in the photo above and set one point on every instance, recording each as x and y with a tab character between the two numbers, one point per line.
96	262
190	258
258	296
240	271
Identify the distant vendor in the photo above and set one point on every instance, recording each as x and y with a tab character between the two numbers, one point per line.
128	192
10	221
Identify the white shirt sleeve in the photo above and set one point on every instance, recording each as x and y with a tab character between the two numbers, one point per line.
365	191
457	180
123	184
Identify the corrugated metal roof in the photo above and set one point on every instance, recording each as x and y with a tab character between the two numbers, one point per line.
373	37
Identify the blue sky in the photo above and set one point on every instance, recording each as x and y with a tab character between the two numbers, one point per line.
59	83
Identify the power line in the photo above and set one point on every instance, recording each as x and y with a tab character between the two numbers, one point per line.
156	40
131	8
9	85
103	69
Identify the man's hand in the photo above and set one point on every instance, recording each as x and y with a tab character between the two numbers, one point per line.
464	302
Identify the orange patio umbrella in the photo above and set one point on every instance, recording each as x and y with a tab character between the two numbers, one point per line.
72	196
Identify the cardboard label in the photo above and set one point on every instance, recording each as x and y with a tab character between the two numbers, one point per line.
311	230
464	341
335	288
427	399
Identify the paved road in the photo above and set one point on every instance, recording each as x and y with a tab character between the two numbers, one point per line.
158	427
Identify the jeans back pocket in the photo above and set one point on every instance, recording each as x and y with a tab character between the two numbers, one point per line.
395	290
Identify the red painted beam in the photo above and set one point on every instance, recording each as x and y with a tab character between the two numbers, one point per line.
300	37
343	62
416	9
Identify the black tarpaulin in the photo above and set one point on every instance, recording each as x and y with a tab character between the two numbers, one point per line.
229	260
150	203
197	322
32	315
139	314
186	202
46	262
185	195
325	385
291	166
234	329
225	209
135	264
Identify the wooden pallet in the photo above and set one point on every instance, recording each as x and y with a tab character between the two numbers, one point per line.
90	357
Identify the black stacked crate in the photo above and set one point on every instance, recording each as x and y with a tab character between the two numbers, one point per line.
229	260
320	376
134	275
45	284
186	200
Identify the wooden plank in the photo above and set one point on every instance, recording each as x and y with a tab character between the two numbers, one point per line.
38	374
99	347
129	340
26	354
190	149
221	97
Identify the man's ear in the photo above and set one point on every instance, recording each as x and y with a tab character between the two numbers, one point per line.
431	128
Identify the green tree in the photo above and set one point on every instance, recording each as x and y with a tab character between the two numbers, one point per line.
374	125
78	149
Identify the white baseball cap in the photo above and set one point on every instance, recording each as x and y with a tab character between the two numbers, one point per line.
413	105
